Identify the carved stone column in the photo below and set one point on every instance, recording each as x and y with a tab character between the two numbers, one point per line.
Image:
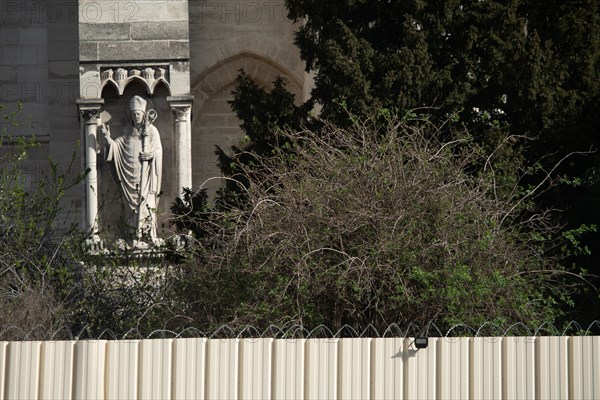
90	118
182	111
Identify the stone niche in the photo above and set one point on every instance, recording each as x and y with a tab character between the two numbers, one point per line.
113	211
127	49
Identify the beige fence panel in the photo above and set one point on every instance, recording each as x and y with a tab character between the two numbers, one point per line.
584	367
354	363
189	367
289	368
222	369
56	375
518	367
420	372
387	373
256	368
90	359
3	346
453	368
156	367
551	364
595	367
321	369
122	369
485	362
23	370
388	368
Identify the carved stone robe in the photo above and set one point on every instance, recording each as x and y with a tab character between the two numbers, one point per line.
140	184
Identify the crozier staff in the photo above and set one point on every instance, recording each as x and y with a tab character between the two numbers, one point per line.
137	158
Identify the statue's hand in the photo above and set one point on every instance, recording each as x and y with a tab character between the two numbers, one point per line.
146	156
105	130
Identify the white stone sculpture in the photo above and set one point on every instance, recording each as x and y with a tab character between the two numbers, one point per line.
137	158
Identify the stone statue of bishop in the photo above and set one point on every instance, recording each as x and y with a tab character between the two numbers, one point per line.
137	159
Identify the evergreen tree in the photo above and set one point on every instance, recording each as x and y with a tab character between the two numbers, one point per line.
527	68
264	115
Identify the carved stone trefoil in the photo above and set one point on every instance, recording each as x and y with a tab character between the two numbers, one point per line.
120	77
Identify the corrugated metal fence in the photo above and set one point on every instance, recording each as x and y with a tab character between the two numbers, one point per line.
362	368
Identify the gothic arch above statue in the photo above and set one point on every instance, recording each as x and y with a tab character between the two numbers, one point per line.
149	76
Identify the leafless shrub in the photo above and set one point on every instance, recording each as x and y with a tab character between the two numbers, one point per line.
375	225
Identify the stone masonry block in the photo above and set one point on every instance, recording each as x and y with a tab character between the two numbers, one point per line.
32	73
88	51
63	51
8	74
65	124
89	84
128	11
167	30
213	120
57	110
63	32
64	153
101	32
9	93
233	121
63	91
30	35
142	50
18	55
65	137
63	69
177	10
180	80
34	116
42	54
9	36
23	13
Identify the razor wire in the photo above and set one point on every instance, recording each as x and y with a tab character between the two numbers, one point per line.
296	331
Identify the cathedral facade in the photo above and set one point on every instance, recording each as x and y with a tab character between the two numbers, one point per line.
75	66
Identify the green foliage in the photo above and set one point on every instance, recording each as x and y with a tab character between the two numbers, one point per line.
40	252
121	295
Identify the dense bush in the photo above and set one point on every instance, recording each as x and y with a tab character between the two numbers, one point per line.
374	225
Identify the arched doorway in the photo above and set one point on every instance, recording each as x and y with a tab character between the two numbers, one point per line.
214	123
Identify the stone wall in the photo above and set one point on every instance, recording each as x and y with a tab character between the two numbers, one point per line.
128	32
226	36
133	30
53	53
39	68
